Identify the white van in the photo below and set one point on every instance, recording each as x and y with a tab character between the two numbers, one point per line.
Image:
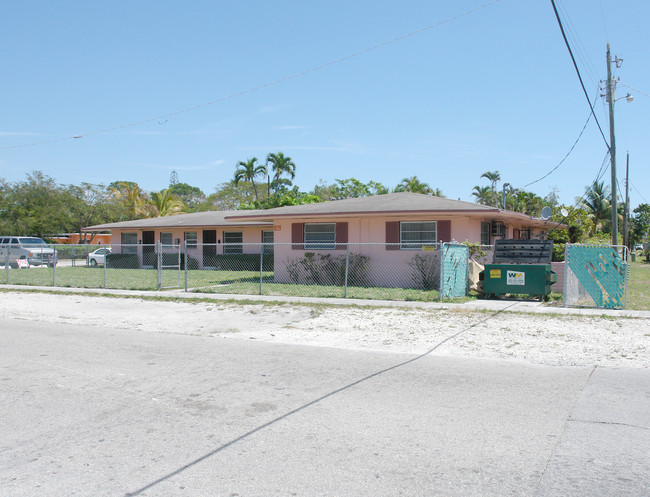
31	249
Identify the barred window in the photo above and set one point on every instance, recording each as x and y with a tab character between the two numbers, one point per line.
415	235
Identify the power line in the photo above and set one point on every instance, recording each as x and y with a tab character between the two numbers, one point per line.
567	154
601	171
575	65
633	89
262	86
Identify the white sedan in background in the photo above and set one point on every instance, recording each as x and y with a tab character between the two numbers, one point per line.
98	257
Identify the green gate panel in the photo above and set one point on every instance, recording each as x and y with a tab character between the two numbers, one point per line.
601	271
453	270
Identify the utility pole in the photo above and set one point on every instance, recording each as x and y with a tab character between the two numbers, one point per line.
612	147
626	240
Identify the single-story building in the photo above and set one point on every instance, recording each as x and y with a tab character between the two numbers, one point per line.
387	230
206	233
386	235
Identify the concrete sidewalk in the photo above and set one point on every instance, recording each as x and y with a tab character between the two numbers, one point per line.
495	305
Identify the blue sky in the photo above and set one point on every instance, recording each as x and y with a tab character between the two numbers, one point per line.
494	89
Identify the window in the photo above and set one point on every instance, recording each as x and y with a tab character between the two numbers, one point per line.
414	235
485	233
129	243
320	236
190	239
232	242
267	240
166	239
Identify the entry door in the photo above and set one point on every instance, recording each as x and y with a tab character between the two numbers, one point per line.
209	247
148	248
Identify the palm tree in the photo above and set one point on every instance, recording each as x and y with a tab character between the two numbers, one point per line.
597	203
165	203
280	164
483	194
414	185
494	177
132	199
247	171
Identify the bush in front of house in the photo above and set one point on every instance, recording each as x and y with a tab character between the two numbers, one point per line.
122	261
325	269
426	271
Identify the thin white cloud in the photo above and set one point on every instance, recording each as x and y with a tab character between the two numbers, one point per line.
289	128
166	167
18	133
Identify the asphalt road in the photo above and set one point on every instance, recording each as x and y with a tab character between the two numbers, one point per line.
109	412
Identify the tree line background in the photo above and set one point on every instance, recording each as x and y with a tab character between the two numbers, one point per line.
39	206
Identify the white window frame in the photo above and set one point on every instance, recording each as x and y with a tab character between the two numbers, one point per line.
487	233
164	235
268	244
191	239
319	236
129	247
410	243
233	246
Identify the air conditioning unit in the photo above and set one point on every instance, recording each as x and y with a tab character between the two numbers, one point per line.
498	228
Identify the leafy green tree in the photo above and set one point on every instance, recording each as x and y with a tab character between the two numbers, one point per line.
248	171
229	196
640	224
37	206
280	165
348	188
192	196
90	204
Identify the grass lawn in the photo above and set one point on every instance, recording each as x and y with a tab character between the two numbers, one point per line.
638	289
247	283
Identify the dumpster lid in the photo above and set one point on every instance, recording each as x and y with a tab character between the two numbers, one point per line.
523	251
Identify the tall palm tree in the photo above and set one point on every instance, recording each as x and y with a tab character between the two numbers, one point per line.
280	164
597	203
494	177
248	171
414	185
165	203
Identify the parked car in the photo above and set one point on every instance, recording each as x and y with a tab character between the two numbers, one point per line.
98	257
638	246
31	249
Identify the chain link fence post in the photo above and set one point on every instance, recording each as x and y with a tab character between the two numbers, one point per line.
347	267
105	265
7	263
186	263
54	261
261	265
159	259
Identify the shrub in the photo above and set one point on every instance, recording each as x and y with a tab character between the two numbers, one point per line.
324	269
426	273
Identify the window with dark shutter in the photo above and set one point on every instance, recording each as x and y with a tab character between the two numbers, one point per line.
297	236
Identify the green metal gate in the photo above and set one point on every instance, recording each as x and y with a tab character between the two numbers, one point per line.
596	276
454	270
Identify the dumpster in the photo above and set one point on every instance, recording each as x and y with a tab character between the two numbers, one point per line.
521	267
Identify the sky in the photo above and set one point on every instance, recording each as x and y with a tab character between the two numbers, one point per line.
377	90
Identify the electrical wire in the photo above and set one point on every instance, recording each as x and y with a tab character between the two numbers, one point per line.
633	89
640	194
601	171
262	86
575	65
567	154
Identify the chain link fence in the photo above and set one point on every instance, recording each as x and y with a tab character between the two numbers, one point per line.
365	271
